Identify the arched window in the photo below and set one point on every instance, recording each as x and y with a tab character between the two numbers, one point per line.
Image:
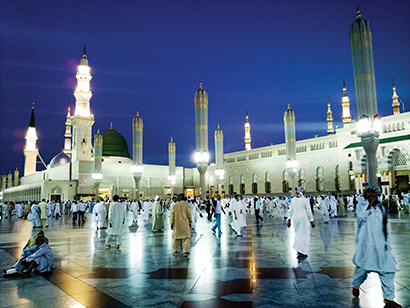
301	177
267	182
254	183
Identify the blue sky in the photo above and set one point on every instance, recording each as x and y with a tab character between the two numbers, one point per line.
149	56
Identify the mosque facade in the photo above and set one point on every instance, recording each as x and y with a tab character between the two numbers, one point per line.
103	166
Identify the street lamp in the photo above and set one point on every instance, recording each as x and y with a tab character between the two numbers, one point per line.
137	174
368	129
172	180
202	160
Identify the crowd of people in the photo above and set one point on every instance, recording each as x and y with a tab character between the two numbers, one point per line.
371	211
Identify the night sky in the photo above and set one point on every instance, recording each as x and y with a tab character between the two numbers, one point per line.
149	56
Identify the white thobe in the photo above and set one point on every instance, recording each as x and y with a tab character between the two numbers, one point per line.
301	216
134	210
100	213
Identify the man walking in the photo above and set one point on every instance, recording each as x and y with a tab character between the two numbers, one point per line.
181	221
116	218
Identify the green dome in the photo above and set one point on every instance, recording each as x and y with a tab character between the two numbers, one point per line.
114	144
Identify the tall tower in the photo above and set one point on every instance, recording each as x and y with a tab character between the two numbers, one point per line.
201	136
396	103
171	164
219	147
97	175
290	140
363	67
330	129
137	168
346	118
83	120
67	135
247	133
219	157
31	151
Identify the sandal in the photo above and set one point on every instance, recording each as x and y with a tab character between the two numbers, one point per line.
175	253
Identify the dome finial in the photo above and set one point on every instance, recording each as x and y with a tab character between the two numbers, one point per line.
200	85
172	139
218	126
138	114
288	106
111	126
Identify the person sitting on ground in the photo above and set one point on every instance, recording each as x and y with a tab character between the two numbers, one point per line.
37	258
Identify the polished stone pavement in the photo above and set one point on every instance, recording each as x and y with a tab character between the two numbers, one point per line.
259	269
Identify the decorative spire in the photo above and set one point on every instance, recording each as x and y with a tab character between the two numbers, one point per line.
98	131
396	103
346	118
138	114
84	51
172	139
247	132
111	126
358	15
32	124
218	126
330	129
288	106
200	85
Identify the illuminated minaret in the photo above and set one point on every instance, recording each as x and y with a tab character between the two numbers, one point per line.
31	151
97	175
346	118
396	103
16	177
67	135
247	133
201	136
330	129
83	120
171	164
290	140
363	67
137	167
219	157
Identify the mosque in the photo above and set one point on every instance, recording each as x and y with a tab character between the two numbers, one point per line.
102	166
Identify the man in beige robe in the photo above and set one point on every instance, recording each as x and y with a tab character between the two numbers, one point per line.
181	221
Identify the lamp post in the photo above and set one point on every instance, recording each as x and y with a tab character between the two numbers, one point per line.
202	160
137	167
137	175
219	173
292	167
368	129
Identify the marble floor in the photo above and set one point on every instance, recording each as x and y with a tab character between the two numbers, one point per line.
259	269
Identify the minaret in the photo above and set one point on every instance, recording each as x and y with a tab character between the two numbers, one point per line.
201	136
137	168
67	135
219	157
363	67
346	118
31	151
290	140
97	175
247	133
16	177
219	147
330	129
171	163
396	103
83	120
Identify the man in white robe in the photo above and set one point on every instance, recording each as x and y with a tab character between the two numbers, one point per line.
373	252
157	215
100	213
116	218
301	214
333	205
324	209
147	209
237	218
243	209
135	209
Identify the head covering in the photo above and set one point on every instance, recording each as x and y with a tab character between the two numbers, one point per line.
156	198
299	191
375	188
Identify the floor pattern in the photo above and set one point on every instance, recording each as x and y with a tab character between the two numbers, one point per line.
259	269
